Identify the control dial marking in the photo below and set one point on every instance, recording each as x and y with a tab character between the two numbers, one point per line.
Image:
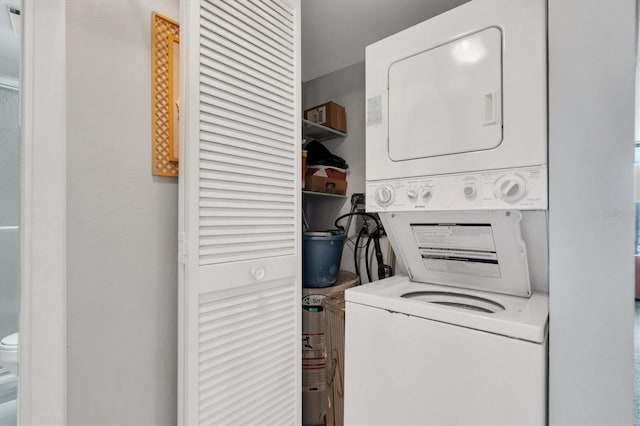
511	188
384	195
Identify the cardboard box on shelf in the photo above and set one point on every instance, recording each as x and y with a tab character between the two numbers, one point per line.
329	114
324	184
327	171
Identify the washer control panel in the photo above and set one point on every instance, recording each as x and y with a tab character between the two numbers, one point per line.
514	189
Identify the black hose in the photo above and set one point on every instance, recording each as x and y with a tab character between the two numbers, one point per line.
355	253
375	236
376	244
366	258
379	258
375	219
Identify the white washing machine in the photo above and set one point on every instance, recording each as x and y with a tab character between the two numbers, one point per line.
420	354
457	170
470	350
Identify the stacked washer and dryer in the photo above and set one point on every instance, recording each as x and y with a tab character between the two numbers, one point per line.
457	170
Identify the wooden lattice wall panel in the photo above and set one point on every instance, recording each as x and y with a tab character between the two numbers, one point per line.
163	32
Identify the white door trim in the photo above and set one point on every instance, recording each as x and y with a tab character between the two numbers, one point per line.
43	249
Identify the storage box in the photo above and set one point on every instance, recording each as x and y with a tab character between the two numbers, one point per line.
334	315
324	184
329	114
327	171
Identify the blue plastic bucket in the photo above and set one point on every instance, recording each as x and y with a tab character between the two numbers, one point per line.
321	254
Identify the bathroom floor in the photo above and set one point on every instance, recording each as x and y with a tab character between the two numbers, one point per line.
8	411
8	401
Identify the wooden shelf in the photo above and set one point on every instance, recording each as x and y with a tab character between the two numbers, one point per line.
323	194
318	132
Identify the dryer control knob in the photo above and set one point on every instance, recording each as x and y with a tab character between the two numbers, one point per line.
384	195
470	191
427	193
413	195
511	188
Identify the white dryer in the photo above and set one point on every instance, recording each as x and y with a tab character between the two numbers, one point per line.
457	111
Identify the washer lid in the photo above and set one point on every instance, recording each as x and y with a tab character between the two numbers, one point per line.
480	250
10	341
522	318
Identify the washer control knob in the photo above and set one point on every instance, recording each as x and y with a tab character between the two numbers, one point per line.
427	193
413	195
511	188
384	195
470	191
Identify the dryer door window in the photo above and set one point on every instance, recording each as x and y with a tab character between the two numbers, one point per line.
448	99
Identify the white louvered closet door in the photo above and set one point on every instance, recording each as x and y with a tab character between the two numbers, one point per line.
240	292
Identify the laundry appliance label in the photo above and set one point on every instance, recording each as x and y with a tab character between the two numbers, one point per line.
458	248
374	111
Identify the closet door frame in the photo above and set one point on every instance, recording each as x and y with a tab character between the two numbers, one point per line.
42	398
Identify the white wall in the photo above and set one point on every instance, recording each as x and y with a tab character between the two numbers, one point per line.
345	87
591	221
122	223
335	32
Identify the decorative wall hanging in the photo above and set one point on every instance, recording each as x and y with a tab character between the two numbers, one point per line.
164	95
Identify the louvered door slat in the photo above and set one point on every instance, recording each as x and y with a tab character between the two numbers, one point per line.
244	341
240	192
255	230
209	362
212	79
243	36
237	166
266	183
284	18
251	128
235	370
217	115
228	93
211	136
245	197
249	165
217	42
234	327
234	106
263	26
240	383
245	74
220	149
225	59
222	36
235	413
252	28
224	194
206	224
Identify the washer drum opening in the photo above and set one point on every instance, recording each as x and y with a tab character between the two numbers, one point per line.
456	300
